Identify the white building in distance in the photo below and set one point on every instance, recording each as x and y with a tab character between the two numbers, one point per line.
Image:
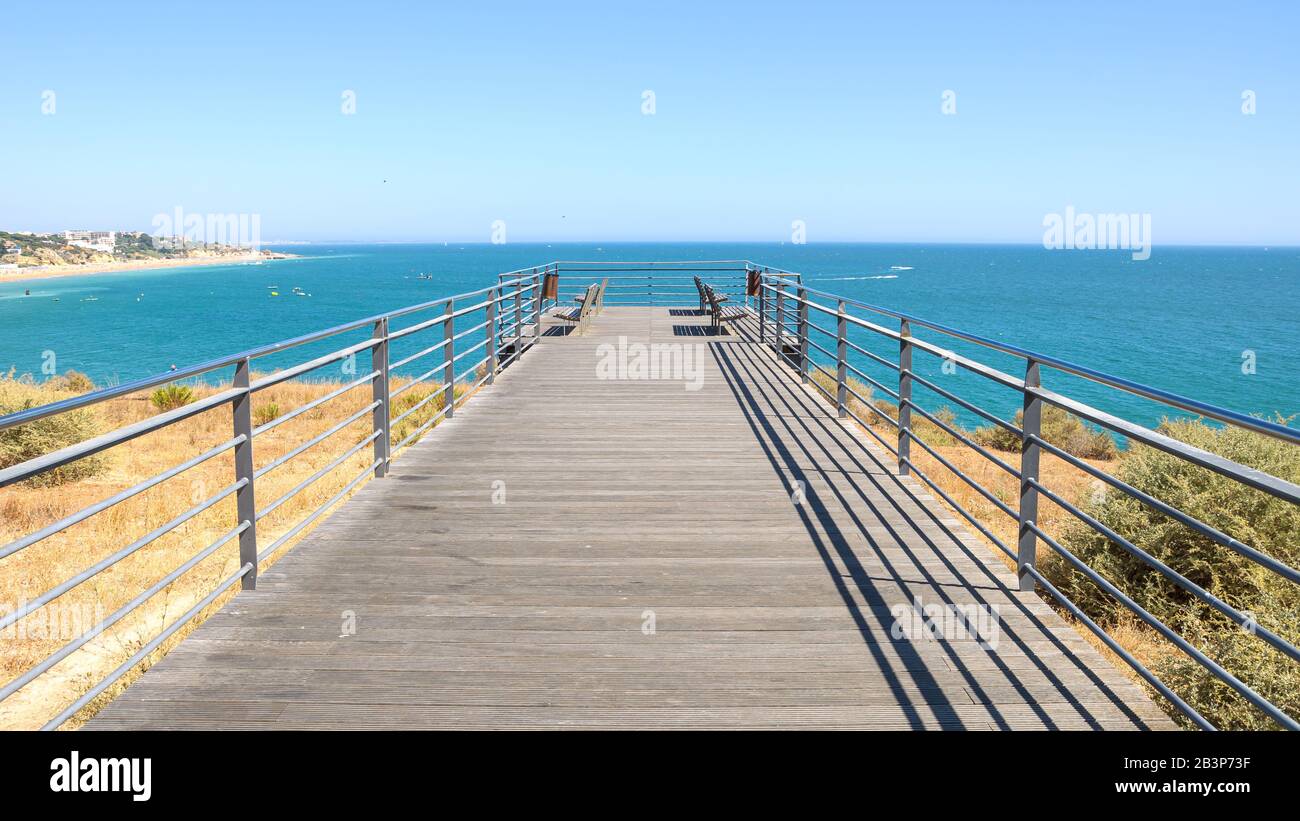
94	240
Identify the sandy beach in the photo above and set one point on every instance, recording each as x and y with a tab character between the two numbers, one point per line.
50	271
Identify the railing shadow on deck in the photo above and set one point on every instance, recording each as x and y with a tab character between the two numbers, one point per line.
739	363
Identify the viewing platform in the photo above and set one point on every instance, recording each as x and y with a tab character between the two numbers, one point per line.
623	495
577	551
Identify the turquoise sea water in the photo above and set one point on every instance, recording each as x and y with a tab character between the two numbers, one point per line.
1180	321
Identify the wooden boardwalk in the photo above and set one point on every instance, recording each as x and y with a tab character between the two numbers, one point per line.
630	505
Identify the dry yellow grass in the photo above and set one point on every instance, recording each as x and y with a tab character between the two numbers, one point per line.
1064	479
38	568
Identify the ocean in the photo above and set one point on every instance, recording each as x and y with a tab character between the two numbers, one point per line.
1221	325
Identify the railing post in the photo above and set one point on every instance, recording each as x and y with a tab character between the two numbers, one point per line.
780	318
537	313
491	337
1031	423
904	397
245	501
841	361
449	366
519	314
803	333
762	311
379	393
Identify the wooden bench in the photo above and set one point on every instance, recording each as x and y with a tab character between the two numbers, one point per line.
721	313
586	306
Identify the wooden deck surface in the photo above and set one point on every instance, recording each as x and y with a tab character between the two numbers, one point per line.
627	501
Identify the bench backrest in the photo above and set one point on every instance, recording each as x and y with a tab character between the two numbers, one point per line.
713	301
589	300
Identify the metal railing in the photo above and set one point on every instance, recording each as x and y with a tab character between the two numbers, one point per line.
510	325
784	324
668	284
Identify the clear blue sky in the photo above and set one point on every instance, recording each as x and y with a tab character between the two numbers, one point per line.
765	113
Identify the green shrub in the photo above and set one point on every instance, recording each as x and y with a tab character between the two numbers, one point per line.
1060	427
1258	519
171	397
46	435
266	413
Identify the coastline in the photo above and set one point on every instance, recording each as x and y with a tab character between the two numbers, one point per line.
90	269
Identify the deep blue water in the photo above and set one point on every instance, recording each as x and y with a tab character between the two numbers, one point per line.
1178	321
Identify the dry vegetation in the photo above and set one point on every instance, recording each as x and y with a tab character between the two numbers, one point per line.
30	506
1250	516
